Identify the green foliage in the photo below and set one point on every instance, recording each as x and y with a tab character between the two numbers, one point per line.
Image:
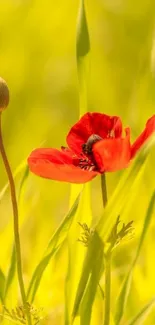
93	282
23	181
17	172
2	285
119	233
18	314
143	314
82	43
125	289
83	216
82	55
55	243
11	273
90	277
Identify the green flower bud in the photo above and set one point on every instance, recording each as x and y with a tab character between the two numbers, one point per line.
4	95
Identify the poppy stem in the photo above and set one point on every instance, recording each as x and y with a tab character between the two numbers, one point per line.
16	225
107	261
104	190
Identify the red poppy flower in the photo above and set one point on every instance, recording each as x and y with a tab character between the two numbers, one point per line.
95	145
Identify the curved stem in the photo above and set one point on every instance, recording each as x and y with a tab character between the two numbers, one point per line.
104	190
16	224
107	289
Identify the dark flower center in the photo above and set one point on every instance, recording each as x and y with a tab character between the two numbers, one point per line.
86	164
87	160
87	147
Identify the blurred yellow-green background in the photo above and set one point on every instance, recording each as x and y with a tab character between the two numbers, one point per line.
38	61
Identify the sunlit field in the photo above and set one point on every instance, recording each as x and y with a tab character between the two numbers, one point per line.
88	249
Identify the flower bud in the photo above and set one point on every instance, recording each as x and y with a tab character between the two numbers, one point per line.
4	95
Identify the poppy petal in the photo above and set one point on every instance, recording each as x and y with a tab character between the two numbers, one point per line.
149	129
52	155
112	154
57	165
93	123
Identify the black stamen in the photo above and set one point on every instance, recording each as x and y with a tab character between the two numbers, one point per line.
86	164
87	147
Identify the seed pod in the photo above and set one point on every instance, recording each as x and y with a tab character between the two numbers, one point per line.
4	95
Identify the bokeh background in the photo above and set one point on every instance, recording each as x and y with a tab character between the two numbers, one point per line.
38	61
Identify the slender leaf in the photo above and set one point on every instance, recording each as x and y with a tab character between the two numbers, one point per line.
124	292
22	183
83	43
143	314
11	273
146	225
82	54
89	295
89	271
76	250
15	174
18	170
101	291
2	285
53	246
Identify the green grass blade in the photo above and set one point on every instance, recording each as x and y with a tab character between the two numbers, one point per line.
76	250
82	54
2	286
90	276
143	314
145	226
83	43
11	273
124	292
18	170
22	183
53	246
89	295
